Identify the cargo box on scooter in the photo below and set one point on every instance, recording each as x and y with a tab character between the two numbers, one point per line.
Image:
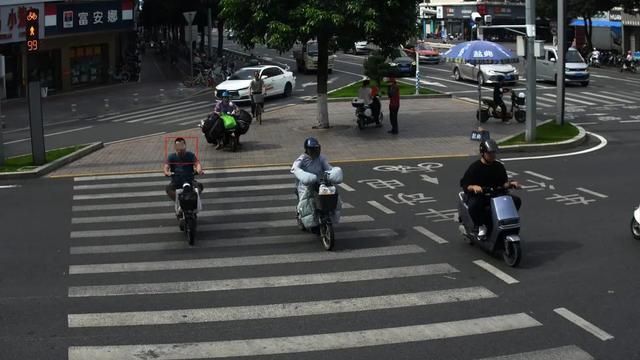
188	200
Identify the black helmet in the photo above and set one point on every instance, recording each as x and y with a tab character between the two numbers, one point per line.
488	145
311	143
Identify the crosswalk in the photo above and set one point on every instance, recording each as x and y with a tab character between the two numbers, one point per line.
138	291
182	113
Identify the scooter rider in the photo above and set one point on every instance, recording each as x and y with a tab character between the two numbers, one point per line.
498	91
311	162
485	172
182	164
225	106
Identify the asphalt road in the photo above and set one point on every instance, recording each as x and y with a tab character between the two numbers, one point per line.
110	246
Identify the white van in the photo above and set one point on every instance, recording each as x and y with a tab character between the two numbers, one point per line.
576	69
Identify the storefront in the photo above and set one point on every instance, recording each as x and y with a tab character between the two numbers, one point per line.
456	20
85	41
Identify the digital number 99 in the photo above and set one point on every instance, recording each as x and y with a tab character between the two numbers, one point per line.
32	45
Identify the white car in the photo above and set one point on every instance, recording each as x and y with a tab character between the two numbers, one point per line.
277	81
486	74
361	47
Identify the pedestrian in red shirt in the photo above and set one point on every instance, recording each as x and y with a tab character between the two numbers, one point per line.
394	105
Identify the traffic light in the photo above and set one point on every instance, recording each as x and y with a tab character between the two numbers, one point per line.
33	30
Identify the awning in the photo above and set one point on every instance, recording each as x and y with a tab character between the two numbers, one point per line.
598	23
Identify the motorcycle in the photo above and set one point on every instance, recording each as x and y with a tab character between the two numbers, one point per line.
187	207
635	224
518	109
490	109
215	131
364	114
326	201
629	66
503	236
594	60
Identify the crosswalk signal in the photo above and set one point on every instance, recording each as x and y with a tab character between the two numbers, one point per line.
33	30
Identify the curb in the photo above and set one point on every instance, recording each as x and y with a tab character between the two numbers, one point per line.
405	97
56	164
576	141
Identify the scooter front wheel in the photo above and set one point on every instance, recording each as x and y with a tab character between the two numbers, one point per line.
635	228
512	253
327	236
190	230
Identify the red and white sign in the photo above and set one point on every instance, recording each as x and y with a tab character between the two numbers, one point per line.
50	18
127	10
13	22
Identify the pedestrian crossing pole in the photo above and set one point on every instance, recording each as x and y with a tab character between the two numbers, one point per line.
34	95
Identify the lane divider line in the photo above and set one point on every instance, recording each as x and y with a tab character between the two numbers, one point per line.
346	187
496	272
381	207
584	324
430	235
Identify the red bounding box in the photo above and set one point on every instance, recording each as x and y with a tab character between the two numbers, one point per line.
169	147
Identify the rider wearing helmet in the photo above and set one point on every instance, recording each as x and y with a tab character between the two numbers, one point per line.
225	106
483	173
498	91
311	161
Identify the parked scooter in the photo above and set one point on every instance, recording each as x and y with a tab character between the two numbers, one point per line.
503	236
326	202
490	109
518	108
188	205
635	224
629	66
364	113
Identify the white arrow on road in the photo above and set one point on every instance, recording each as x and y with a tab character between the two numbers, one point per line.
433	180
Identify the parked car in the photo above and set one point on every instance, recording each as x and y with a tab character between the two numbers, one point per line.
277	81
307	57
576	69
361	48
426	53
486	74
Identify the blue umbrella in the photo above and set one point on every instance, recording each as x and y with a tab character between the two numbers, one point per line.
478	53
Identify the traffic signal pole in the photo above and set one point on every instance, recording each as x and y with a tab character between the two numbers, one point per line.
34	98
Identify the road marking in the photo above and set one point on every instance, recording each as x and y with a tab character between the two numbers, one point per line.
586	123
381	207
539	175
202	214
570	352
183	287
190	119
346	187
597	114
157	108
135	138
430	235
308	343
203	181
274	311
162	193
496	272
591	192
9	186
166	114
568	98
584	324
271	259
169	203
620	95
603	143
586	97
205	227
159	174
159	111
629	121
52	134
228	242
609	97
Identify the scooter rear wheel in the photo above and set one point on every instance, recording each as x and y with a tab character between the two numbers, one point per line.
520	116
327	236
512	253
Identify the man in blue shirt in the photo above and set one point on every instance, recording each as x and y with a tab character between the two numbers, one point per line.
183	164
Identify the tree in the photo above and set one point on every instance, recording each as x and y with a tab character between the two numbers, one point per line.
280	24
586	9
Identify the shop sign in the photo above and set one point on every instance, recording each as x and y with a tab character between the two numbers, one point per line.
89	17
13	22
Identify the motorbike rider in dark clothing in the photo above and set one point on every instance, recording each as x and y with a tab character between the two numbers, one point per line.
498	91
483	173
181	166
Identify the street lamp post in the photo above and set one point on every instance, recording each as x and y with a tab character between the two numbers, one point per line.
530	131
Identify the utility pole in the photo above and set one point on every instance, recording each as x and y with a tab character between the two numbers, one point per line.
209	24
562	50
34	96
530	131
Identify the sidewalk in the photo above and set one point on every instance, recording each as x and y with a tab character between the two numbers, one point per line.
434	127
156	74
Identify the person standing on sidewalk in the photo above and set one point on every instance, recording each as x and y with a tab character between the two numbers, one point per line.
257	96
394	105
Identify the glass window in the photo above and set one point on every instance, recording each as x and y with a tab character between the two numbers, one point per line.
551	55
243	74
574	57
88	65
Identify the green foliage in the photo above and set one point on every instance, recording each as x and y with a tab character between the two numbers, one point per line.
25	162
405	89
547	133
375	67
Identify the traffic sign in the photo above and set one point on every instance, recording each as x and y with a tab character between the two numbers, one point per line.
33	30
189	16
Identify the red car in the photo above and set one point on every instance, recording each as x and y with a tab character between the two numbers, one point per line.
426	53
